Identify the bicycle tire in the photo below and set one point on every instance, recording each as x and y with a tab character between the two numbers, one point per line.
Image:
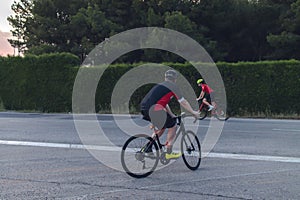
221	115
134	161
203	114
191	150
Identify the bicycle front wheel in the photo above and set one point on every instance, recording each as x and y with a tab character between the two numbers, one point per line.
191	150
203	114
139	156
220	114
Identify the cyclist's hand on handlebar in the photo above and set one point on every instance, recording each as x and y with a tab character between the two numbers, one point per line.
196	114
173	115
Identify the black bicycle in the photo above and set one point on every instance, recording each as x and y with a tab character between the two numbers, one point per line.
141	153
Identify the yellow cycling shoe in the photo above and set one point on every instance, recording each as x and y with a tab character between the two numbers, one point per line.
173	155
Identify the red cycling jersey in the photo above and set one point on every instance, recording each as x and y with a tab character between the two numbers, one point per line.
206	88
160	95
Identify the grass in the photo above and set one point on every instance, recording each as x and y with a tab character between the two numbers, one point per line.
268	115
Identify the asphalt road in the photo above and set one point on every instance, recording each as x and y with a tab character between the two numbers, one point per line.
253	159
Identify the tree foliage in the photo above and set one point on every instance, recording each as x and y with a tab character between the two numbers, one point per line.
23	13
287	43
230	30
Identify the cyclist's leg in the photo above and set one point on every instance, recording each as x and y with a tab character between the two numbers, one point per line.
158	118
170	137
207	99
155	118
162	120
146	117
212	99
171	125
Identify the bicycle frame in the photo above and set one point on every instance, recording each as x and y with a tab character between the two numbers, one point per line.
202	105
178	132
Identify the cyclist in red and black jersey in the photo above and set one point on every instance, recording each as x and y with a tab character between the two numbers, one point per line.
206	94
155	108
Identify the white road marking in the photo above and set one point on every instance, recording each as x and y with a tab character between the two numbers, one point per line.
288	130
254	157
60	145
114	148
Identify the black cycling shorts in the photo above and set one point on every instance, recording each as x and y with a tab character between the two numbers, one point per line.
209	97
160	119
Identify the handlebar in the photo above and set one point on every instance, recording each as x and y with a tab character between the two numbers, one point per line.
184	115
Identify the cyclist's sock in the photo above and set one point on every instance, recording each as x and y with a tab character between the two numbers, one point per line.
169	149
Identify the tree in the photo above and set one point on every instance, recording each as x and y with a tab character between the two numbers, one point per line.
230	30
49	28
89	27
154	19
18	21
120	12
257	21
238	27
287	43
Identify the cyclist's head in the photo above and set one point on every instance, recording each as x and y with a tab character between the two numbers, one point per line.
200	81
171	75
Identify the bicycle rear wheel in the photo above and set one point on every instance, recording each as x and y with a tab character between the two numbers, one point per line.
191	150
135	161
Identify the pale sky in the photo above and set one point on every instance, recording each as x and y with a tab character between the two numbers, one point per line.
5	11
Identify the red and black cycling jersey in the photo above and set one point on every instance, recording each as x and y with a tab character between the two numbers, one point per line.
205	88
160	95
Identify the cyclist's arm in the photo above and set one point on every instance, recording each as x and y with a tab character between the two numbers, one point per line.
186	105
168	109
201	95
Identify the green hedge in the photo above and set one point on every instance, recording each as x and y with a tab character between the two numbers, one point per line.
268	87
44	83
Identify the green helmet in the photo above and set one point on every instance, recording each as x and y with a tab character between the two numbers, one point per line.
200	81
